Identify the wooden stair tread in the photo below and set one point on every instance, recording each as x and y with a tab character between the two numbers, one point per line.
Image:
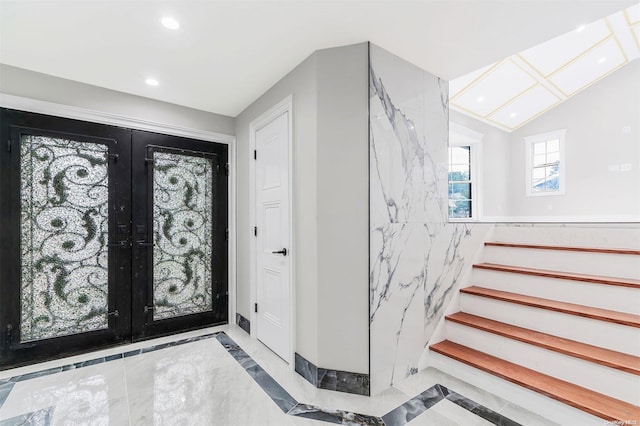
594	403
630	251
596	279
554	305
598	355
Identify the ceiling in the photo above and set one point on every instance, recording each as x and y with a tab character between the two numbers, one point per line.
512	92
226	53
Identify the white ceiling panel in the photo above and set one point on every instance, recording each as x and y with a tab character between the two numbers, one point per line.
636	34
505	82
525	107
599	62
633	14
548	57
455	86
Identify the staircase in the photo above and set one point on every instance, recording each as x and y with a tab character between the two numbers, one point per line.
555	329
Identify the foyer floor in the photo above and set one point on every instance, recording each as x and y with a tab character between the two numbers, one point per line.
220	376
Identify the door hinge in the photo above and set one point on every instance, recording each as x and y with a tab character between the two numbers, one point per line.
114	314
9	145
147	309
226	169
255	231
113	156
9	333
226	234
255	154
255	307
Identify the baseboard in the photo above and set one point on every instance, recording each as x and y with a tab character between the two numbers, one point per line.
243	323
335	380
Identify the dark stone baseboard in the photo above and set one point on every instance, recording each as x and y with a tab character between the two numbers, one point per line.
340	381
243	323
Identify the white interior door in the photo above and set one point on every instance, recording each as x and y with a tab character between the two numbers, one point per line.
272	245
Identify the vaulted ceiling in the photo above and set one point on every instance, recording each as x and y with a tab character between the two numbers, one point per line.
512	92
226	53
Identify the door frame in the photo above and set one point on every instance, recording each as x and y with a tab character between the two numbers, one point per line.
284	106
94	116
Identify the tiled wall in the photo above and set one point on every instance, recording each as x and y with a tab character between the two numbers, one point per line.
416	258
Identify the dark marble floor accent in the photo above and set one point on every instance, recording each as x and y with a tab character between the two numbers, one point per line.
334	416
335	380
414	407
480	410
419	404
35	418
243	323
6	386
169	345
276	392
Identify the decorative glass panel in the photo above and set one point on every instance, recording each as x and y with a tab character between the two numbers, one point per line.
182	227
64	233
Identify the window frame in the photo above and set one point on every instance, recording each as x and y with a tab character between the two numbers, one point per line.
460	135
560	135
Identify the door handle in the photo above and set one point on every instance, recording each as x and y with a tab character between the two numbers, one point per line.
282	252
143	243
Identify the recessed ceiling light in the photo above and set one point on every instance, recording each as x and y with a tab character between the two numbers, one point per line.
479	99
170	23
581	28
602	60
152	82
513	114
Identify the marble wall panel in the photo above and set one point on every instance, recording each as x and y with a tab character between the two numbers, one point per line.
417	258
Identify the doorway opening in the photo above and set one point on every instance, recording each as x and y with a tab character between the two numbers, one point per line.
109	235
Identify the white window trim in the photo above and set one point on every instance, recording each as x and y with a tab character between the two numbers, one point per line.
543	137
460	135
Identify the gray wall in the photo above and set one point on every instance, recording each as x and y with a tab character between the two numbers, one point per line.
34	85
343	208
301	83
330	205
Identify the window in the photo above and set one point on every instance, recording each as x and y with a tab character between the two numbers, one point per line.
465	148
460	184
545	164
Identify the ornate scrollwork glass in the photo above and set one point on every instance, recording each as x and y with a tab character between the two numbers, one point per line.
64	233
182	230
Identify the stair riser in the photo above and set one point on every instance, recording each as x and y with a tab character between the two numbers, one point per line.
604	264
616	337
533	401
583	235
608	381
616	298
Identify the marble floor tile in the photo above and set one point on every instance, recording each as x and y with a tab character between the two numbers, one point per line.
448	413
221	376
91	388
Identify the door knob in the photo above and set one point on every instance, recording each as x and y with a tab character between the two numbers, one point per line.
282	252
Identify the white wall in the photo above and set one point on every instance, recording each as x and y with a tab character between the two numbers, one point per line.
330	205
595	141
594	119
494	178
43	87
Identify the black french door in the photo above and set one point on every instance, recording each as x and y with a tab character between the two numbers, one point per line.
107	235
